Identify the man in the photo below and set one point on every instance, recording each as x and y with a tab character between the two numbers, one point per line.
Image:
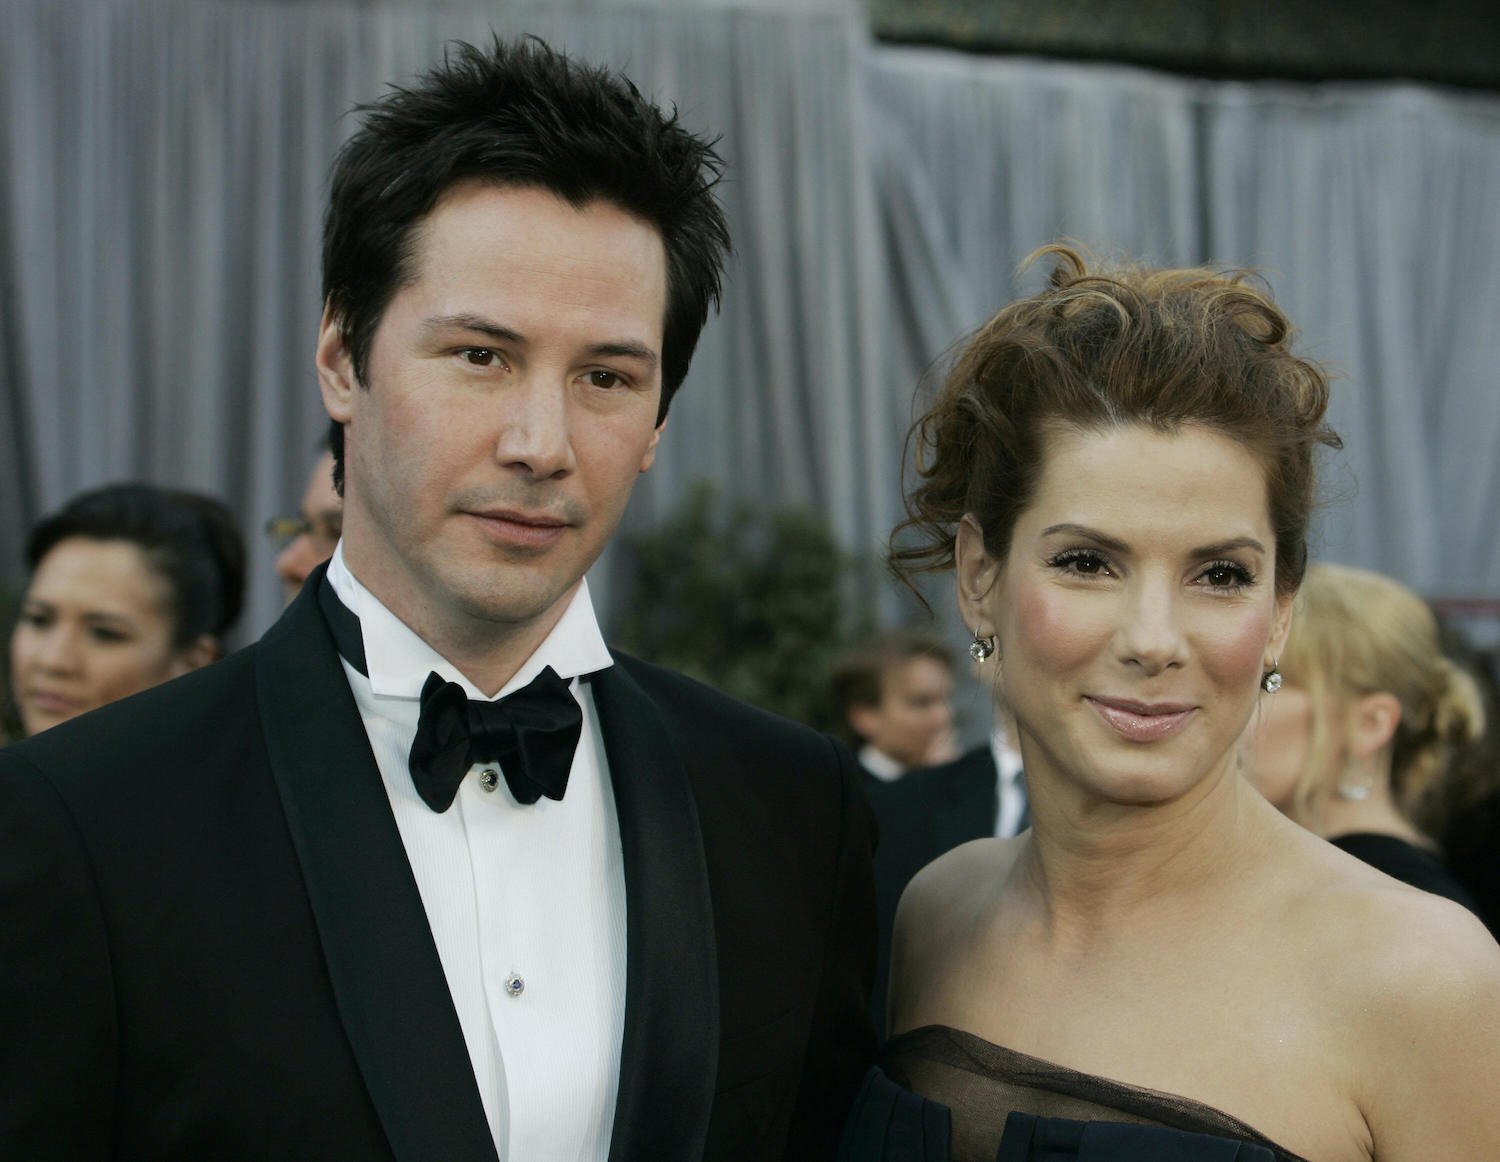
894	694
309	538
333	900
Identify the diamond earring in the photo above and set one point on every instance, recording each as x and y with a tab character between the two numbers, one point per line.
1271	681
981	648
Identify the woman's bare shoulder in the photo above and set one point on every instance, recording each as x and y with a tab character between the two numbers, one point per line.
937	913
1412	983
958	879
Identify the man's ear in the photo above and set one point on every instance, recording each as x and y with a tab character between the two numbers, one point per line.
649	457
864	721
336	378
1372	723
977	572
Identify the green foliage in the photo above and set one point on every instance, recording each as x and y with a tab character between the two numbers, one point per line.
747	599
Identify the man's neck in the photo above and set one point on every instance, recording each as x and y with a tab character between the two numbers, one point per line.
485	651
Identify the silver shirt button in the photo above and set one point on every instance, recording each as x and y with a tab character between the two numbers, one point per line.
514	985
489	780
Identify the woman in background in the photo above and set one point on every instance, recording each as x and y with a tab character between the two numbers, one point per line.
1120	471
1365	724
130	585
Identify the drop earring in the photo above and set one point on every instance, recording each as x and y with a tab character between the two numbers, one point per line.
1270	681
981	648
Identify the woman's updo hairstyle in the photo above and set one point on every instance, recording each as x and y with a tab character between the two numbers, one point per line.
190	541
1098	350
1356	633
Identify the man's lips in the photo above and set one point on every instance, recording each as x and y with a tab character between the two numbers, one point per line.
529	529
1141	721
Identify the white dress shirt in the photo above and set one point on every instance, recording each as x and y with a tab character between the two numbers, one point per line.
526	903
880	764
1010	788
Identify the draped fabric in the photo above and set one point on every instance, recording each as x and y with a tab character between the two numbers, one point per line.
163	165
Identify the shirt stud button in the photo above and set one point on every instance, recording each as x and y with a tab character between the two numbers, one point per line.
489	780
514	985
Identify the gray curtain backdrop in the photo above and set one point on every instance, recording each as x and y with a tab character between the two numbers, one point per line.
162	170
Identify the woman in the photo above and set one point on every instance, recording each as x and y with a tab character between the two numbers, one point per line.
1120	469
130	585
1365	723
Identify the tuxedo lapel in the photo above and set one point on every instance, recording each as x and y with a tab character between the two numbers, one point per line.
669	1058
392	995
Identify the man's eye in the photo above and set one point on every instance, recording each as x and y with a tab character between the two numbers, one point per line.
478	356
605	379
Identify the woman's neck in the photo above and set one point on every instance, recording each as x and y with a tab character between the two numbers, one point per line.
1095	867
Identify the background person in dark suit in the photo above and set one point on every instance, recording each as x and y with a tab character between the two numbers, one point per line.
427	872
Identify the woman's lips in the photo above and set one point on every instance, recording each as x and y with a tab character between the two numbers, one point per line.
1139	721
49	703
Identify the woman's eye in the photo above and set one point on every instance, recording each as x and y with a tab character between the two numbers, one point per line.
107	636
35	619
1227	575
1081	562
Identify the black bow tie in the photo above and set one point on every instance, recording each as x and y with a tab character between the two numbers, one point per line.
531	733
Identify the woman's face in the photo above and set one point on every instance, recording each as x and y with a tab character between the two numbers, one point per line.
1278	743
1136	610
94	627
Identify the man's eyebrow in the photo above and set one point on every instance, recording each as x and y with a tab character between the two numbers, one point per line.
624	349
472	323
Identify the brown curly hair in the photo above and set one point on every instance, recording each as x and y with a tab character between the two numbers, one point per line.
1099	349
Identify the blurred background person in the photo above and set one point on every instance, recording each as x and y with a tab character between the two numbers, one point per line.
308	539
893	696
1368	716
129	585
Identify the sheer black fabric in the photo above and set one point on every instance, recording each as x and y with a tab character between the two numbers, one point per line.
982	1084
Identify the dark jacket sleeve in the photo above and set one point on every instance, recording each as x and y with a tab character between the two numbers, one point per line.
58	1036
842	1045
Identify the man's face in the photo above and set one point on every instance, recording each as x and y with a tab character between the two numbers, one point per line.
511	402
322	513
913	721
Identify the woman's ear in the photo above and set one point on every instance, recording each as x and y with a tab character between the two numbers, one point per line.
977	572
1281	629
1372	723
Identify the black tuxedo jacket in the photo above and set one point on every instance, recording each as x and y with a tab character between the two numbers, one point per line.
212	944
922	815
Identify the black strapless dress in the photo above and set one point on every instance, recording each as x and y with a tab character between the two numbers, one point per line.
955	1091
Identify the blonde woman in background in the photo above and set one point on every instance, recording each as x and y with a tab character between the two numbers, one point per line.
1369	714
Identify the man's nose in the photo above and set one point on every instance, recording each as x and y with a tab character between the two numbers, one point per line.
535	434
